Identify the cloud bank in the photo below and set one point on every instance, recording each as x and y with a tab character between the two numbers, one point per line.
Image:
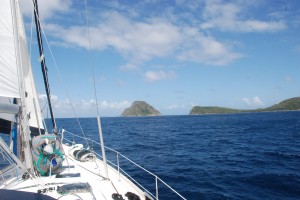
253	102
229	17
140	36
152	76
82	108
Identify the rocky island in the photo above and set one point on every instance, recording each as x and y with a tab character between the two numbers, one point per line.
140	108
286	105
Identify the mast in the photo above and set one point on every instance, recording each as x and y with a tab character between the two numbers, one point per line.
23	117
43	62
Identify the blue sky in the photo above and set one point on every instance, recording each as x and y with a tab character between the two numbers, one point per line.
172	54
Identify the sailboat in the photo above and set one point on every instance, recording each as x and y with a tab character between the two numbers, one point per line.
42	164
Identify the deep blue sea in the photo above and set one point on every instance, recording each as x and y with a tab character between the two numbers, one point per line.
234	156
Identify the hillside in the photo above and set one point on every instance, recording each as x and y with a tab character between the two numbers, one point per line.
140	108
198	110
289	104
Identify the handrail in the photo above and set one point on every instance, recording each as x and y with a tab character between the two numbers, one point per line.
14	168
137	165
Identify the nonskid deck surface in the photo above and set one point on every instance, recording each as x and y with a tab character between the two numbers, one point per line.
81	175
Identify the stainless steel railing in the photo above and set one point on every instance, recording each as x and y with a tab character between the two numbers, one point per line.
118	168
13	169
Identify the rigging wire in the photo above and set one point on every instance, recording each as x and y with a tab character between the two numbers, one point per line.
32	85
30	54
61	81
91	57
95	92
43	63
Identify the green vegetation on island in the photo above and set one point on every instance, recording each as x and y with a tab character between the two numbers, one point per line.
289	104
199	110
286	105
140	108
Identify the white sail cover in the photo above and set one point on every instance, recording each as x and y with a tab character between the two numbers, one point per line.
9	86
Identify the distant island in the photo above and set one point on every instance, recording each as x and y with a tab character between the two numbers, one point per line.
286	105
140	108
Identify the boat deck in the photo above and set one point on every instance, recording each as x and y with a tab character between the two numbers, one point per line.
79	174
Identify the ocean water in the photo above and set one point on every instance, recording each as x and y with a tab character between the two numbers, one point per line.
234	156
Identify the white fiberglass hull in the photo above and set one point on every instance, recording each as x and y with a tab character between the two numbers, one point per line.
74	172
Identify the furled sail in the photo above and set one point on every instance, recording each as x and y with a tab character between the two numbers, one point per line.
16	78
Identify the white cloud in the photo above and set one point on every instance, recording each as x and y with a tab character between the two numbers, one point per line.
253	102
228	17
141	37
140	41
47	8
297	49
43	97
86	108
176	106
288	79
260	26
114	105
129	66
159	75
205	49
175	109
